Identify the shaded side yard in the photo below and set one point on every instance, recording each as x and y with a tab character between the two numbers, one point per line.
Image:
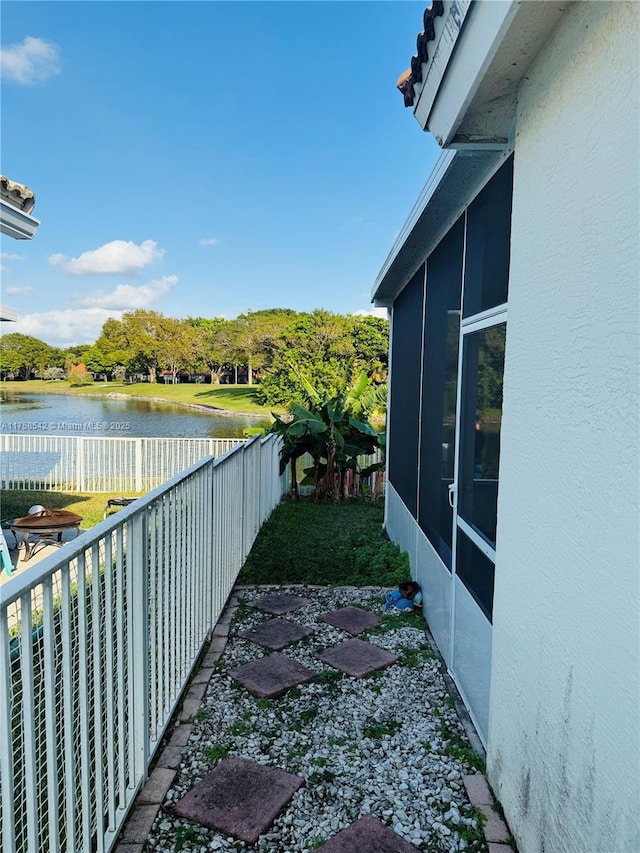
387	744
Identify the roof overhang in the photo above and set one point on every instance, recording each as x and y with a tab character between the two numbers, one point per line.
8	314
16	223
465	94
455	180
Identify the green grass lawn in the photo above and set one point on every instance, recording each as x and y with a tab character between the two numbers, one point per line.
15	504
235	398
303	542
319	543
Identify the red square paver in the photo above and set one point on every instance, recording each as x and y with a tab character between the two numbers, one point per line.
367	834
495	829
276	634
271	676
239	798
353	620
356	658
279	603
477	789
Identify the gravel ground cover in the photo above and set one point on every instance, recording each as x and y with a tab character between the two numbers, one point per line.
390	744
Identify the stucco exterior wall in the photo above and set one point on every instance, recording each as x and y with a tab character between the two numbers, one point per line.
564	748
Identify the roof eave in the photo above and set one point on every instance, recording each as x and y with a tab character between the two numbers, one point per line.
16	223
467	97
7	314
455	179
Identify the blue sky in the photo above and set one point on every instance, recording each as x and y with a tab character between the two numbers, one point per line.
204	158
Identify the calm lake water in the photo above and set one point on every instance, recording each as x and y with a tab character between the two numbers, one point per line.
58	414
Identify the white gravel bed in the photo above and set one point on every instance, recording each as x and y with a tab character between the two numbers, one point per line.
381	744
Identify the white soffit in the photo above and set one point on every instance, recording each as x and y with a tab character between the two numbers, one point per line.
454	181
475	101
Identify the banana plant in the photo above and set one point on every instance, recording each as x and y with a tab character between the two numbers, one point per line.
333	437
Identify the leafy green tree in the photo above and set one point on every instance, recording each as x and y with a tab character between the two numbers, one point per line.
177	344
140	341
22	355
213	346
315	349
371	344
111	350
256	337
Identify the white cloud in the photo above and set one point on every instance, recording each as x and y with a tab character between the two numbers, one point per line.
24	291
66	327
209	241
126	297
116	257
32	61
371	312
11	256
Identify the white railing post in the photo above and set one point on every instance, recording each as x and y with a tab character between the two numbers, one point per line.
138	583
80	464
138	465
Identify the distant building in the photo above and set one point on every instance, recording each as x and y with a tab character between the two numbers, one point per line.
514	418
16	204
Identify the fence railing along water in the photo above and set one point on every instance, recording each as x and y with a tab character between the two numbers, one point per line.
100	463
97	642
74	463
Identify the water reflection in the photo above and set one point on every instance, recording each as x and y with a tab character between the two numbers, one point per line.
59	414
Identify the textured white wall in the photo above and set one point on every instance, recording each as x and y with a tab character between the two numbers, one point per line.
564	750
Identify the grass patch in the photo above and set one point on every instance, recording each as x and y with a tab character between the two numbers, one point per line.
376	731
393	621
473	835
458	749
328	677
201	715
317	543
234	398
321	776
414	658
15	504
216	751
186	837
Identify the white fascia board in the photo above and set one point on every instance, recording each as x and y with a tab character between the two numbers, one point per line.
440	169
16	223
8	314
447	29
454	181
484	30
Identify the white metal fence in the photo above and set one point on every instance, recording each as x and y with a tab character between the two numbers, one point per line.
100	463
98	640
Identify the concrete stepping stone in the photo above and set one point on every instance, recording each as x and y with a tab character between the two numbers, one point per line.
279	603
271	676
239	798
353	620
276	634
356	658
367	834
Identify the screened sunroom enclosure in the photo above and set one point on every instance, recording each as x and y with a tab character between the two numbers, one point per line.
449	329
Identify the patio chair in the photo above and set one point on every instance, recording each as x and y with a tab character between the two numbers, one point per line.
5	557
115	504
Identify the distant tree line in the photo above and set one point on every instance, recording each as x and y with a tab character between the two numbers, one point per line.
279	350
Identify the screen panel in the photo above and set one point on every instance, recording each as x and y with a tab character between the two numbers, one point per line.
406	356
439	389
488	242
